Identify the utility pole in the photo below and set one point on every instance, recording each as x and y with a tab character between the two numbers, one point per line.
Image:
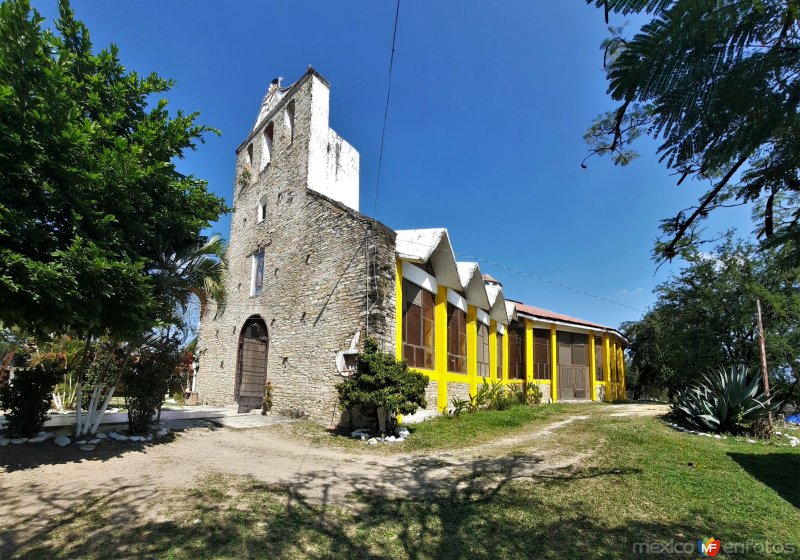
763	346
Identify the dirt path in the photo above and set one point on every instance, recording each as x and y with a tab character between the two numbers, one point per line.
47	480
264	454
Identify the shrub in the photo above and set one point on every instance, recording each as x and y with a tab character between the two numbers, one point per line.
267	405
723	401
383	382
65	393
500	397
533	394
146	382
491	396
515	394
28	398
459	407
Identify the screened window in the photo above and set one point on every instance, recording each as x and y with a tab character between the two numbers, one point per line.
598	358
516	351
483	350
542	361
573	349
418	326
456	339
499	356
266	151
257	281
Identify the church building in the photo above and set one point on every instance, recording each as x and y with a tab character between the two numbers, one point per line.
309	277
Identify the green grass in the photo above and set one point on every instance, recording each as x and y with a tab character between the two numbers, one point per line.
638	486
446	433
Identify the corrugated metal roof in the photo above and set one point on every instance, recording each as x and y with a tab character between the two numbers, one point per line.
547	314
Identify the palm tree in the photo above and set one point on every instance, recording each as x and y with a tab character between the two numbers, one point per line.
196	270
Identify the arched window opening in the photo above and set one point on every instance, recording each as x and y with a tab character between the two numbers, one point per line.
289	120
266	152
262	208
257	278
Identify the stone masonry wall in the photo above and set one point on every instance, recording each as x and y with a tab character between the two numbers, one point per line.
316	274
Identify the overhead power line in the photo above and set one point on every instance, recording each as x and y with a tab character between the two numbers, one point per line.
534	276
552	282
386	109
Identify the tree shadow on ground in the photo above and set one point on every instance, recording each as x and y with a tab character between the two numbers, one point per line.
492	510
779	471
31	456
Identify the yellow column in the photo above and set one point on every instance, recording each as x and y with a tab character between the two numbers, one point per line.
554	363
614	364
528	351
623	396
505	356
592	367
492	350
398	313
607	366
472	348
440	359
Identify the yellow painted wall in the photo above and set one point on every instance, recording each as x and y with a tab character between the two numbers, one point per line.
492	349
620	373
472	348
505	357
612	353
592	367
398	313
615	370
607	365
528	351
440	317
622	370
554	363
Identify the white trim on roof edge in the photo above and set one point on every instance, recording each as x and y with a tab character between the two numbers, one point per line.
416	275
457	300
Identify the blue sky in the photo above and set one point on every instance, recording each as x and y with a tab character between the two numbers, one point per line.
489	104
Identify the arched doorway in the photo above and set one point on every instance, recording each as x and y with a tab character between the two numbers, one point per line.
251	372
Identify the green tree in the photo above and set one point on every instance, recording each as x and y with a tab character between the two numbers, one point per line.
90	198
96	222
194	271
704	319
716	82
383	385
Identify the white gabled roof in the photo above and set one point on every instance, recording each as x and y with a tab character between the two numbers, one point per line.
423	245
497	303
469	274
416	245
511	310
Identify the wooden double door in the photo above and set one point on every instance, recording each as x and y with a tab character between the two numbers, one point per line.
251	373
573	366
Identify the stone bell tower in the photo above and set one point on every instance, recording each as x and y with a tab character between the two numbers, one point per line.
297	268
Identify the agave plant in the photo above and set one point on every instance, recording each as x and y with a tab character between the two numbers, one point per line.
723	400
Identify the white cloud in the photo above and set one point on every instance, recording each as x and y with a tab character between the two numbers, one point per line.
634	292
